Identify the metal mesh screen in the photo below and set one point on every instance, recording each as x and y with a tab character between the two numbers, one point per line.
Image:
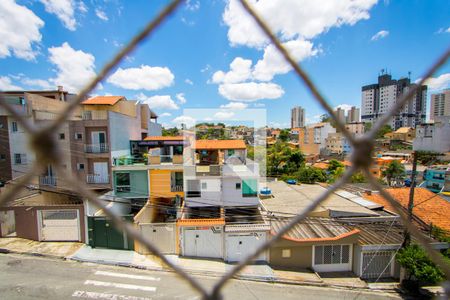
47	152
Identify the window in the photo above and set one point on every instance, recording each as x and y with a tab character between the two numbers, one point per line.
14	127
238	185
62	136
123	182
231	152
331	254
286	253
178	150
78	136
20	158
2	157
204	185
178	178
80	166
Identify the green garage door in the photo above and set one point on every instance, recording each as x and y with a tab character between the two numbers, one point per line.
103	234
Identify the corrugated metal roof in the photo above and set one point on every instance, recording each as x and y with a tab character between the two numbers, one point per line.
358	199
247	227
313	229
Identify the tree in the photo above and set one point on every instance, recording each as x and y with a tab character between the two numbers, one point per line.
170	131
358	178
427	157
367	126
383	130
419	265
310	175
335	170
395	171
284	135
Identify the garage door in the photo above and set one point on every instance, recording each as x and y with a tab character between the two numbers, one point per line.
59	225
205	242
239	246
377	264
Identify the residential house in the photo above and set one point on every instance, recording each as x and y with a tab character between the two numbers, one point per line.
437	179
44	216
221	186
312	138
404	134
39	108
356	128
430	208
433	136
337	143
103	136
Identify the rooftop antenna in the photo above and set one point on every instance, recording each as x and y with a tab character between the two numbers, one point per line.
409	75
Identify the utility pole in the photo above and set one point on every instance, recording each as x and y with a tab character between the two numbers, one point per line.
407	239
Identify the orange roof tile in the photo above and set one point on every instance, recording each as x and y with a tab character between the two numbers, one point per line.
201	222
103	100
219	144
164	138
428	206
320	165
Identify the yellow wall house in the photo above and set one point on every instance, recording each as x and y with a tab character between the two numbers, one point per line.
165	185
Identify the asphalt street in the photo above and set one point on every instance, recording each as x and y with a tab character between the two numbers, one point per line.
26	277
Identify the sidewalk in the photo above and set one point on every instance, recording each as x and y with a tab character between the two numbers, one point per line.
197	266
48	249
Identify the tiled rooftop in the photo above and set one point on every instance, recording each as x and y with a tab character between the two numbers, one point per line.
103	100
428	206
219	144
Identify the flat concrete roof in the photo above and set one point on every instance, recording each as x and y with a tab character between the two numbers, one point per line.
292	199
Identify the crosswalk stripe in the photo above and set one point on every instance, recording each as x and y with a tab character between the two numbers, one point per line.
120	285
105	296
123	275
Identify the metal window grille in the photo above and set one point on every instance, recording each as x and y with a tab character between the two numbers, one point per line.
47	151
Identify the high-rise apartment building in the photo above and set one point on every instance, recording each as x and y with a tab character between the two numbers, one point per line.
379	98
440	104
340	114
353	115
297	117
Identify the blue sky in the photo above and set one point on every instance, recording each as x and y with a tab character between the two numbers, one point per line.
342	44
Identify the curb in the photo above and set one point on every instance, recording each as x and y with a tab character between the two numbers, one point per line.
266	279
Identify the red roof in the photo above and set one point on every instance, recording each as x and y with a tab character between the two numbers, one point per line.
219	144
428	206
103	100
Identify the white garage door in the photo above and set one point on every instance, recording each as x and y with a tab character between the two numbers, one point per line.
239	245
377	264
59	225
205	242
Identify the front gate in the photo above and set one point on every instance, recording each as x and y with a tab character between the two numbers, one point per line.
103	234
377	264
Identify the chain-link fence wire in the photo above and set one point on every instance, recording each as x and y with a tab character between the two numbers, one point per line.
47	152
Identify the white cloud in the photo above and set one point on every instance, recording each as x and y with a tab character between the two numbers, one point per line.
206	68
188	81
250	91
273	62
74	68
235	105
43	84
223	115
438	83
291	19
142	78
192	5
19	30
101	14
166	114
6	84
443	30
158	101
259	105
240	70
345	107
187	120
64	10
82	7
379	35
180	97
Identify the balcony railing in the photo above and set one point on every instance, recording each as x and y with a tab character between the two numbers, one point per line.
176	188
97	178
96	148
47	180
95	115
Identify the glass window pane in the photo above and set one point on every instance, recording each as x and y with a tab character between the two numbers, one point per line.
123	179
